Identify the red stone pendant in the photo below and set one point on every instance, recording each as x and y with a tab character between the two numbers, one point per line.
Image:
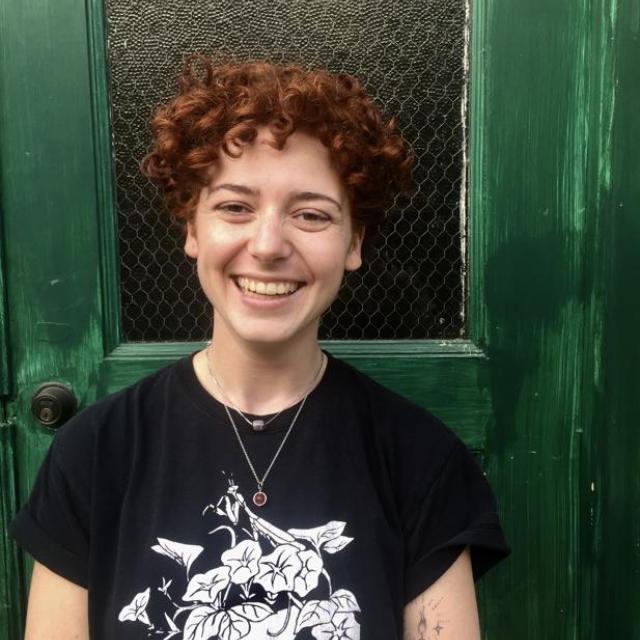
259	498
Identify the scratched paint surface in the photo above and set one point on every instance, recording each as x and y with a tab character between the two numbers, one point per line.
611	600
555	167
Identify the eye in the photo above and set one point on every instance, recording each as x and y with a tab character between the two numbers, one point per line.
311	220
233	209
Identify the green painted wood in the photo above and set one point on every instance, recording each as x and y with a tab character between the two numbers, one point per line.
450	379
47	173
105	198
539	386
543	94
11	593
610	478
5	380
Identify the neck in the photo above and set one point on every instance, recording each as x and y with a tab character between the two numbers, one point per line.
259	379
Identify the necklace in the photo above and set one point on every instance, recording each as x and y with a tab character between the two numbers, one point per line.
260	497
256	424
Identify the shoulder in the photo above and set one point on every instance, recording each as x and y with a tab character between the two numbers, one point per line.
402	424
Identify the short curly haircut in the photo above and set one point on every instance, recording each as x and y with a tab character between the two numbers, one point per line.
219	105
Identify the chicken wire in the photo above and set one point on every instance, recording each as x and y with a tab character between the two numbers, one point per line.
409	54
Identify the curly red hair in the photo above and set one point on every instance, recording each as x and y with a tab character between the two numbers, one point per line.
222	105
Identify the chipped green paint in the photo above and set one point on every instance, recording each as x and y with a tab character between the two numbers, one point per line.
560	312
610	478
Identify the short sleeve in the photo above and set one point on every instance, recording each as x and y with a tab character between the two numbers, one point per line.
53	526
457	510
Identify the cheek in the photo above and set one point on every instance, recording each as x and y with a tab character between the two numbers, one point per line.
217	246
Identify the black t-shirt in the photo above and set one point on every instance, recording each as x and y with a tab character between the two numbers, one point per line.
145	498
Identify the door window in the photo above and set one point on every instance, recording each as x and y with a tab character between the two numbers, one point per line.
411	57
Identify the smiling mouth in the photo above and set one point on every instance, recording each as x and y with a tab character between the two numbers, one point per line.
267	289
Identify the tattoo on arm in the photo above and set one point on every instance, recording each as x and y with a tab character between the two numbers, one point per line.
430	624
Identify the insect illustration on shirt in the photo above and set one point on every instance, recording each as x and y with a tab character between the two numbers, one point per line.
232	503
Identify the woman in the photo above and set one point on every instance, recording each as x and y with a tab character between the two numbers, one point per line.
261	488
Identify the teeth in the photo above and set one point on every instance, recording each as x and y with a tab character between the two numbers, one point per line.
267	288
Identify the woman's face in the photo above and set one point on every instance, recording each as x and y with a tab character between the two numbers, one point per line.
272	236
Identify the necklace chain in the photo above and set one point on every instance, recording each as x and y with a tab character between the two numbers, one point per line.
256	425
260	481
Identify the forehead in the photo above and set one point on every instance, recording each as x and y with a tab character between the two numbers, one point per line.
304	163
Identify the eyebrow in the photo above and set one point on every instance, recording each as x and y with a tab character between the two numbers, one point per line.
297	196
236	188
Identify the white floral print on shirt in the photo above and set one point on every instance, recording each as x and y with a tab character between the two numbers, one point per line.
264	586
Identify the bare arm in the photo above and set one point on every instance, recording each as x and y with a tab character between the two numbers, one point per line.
447	610
58	609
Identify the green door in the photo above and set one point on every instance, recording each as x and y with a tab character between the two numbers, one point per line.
549	92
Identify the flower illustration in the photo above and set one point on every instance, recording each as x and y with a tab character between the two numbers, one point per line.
137	608
307	579
183	554
221	604
343	626
242	560
279	569
205	587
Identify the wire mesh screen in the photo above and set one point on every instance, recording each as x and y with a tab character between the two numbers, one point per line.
410	56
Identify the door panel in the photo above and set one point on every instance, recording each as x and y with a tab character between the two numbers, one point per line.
515	390
61	241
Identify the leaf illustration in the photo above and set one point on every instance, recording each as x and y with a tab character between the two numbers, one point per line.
315	612
203	623
253	611
345	600
205	587
172	625
173	628
320	535
183	554
136	609
232	626
337	544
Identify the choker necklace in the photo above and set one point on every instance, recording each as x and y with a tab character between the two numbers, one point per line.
260	497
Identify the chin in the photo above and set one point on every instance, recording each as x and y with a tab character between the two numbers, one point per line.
277	336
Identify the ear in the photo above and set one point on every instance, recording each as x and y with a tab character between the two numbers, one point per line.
354	255
191	241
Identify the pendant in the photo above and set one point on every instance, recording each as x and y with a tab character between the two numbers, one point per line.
259	498
257	425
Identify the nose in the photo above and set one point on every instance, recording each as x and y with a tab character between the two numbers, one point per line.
268	240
